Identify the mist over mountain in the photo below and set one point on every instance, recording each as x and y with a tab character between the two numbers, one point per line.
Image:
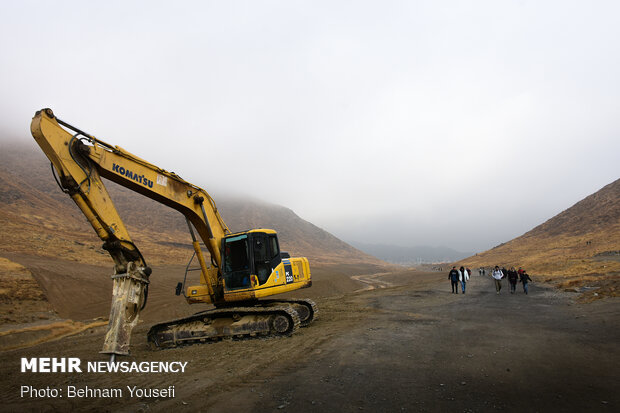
411	255
37	217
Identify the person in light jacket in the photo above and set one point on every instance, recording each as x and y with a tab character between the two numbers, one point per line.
497	275
463	277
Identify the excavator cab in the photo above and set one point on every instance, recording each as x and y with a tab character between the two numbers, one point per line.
255	253
252	267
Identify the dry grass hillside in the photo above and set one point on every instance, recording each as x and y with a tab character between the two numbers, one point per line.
576	248
21	299
38	218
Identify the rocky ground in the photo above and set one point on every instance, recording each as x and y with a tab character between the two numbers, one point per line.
393	342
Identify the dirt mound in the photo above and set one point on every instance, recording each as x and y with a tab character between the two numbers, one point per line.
21	298
83	292
31	335
44	299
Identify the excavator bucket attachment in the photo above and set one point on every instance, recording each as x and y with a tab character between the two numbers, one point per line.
128	297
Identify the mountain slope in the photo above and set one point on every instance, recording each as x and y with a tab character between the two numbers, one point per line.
584	239
37	217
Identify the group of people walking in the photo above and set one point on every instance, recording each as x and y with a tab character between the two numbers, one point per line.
462	276
513	277
459	276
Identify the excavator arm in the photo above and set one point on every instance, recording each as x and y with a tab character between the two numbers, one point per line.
81	161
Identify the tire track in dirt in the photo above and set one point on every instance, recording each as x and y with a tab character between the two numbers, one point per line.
372	281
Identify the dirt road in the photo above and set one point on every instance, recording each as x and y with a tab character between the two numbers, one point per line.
411	346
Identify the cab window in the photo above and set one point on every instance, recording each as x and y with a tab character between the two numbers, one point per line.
236	261
273	243
262	262
274	251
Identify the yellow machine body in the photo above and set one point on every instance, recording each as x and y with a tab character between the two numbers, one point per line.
81	160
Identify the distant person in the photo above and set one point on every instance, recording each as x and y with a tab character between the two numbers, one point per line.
497	275
453	276
480	271
463	277
513	277
484	271
524	280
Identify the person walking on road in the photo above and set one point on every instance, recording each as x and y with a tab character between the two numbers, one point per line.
453	276
497	277
463	277
524	280
513	277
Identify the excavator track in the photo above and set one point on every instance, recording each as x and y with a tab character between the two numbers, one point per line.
305	308
220	323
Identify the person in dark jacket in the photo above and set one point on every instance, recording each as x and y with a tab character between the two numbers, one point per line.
453	276
524	280
513	277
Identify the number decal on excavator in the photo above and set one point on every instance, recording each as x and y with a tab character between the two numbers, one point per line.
288	270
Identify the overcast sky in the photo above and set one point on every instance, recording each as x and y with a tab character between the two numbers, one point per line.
451	123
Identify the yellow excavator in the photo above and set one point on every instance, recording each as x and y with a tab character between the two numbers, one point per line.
245	266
